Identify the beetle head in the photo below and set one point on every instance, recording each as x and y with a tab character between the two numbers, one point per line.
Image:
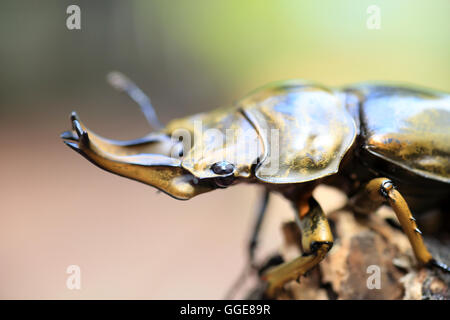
221	146
190	156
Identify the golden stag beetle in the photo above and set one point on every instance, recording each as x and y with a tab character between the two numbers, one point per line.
370	140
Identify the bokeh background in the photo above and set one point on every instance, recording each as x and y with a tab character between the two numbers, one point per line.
56	209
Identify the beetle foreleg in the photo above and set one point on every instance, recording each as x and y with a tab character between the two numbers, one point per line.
380	190
317	240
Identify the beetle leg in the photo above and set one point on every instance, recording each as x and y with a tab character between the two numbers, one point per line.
379	190
252	246
257	227
317	240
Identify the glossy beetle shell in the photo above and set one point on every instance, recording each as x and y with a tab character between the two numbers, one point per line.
301	132
306	131
408	127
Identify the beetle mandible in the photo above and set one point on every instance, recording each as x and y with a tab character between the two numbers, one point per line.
371	140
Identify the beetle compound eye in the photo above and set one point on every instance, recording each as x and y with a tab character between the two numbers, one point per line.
223	182
222	167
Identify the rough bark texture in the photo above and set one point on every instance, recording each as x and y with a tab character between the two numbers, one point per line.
361	242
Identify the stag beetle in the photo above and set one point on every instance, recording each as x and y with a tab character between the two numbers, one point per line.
369	140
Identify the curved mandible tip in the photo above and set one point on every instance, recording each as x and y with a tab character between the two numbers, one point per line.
121	83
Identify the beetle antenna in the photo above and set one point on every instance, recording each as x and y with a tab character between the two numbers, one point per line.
121	83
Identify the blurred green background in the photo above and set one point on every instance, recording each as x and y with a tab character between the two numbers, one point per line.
195	55
189	56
